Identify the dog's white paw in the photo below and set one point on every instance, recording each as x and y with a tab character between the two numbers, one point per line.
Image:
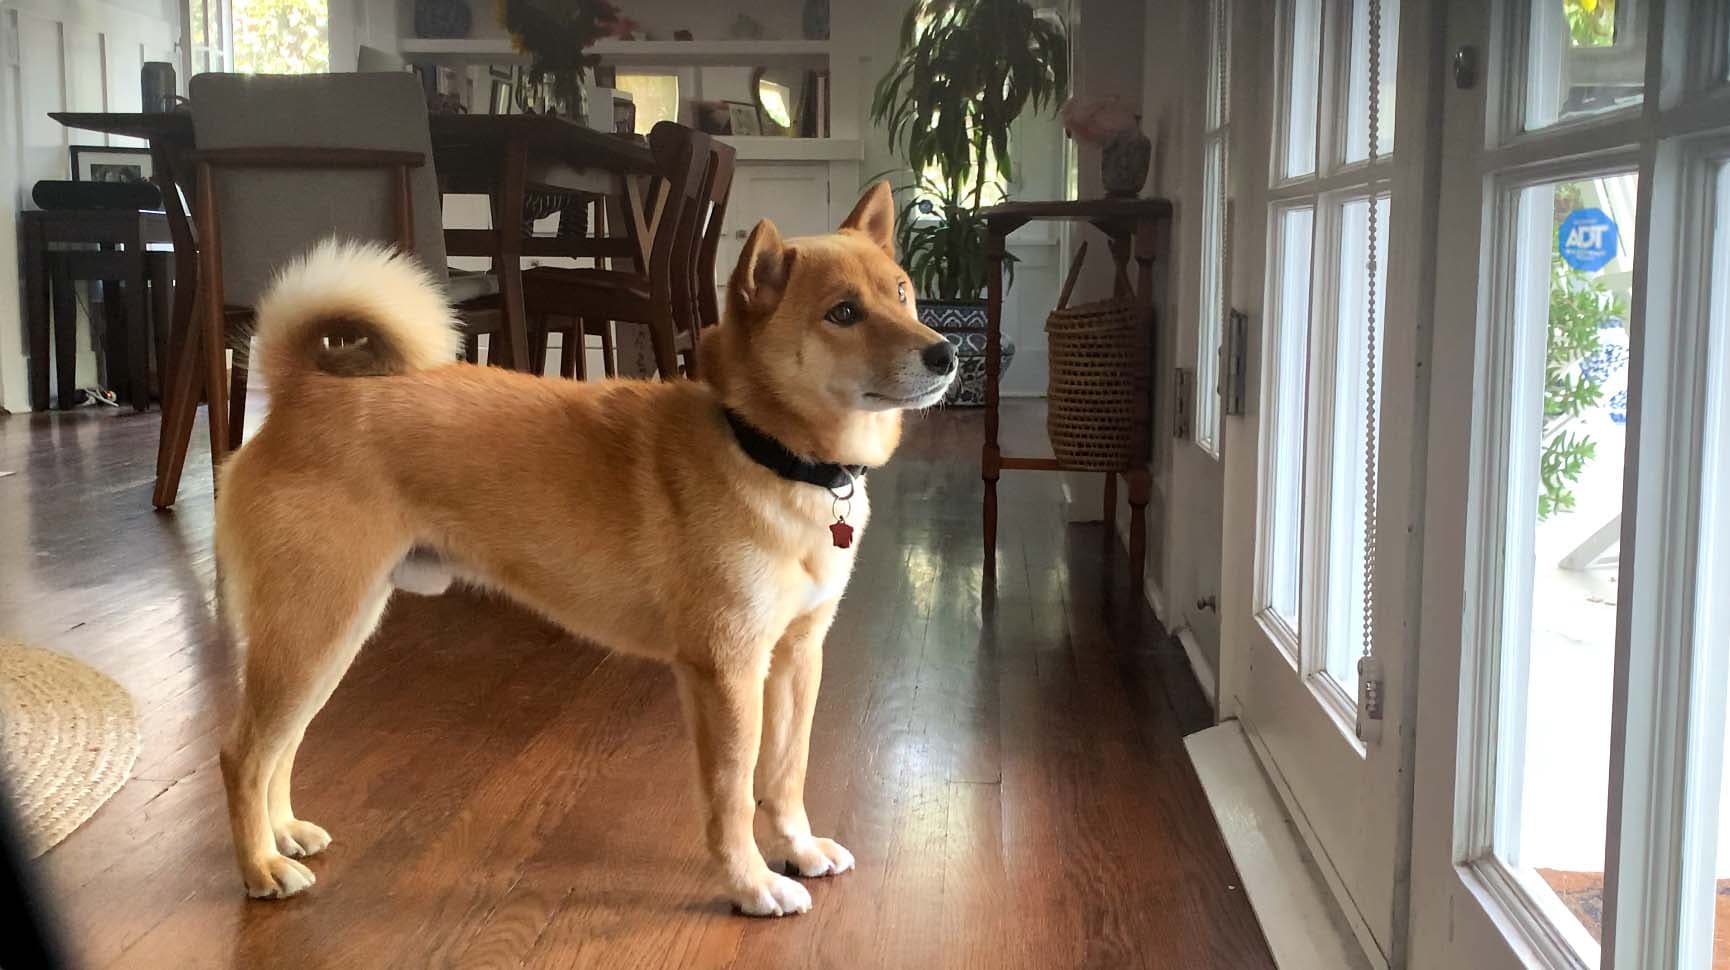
811	857
774	895
297	839
275	877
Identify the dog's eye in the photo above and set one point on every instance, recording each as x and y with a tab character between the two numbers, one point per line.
901	290
846	313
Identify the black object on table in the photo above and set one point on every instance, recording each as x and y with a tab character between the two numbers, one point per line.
130	274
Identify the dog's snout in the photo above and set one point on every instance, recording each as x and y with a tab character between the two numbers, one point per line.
939	357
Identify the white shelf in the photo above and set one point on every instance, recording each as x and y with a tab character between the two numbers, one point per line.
776	149
498	50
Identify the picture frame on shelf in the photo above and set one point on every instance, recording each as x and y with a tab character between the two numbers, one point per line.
500	101
108	163
743	119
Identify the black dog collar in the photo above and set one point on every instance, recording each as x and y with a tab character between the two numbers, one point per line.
765	450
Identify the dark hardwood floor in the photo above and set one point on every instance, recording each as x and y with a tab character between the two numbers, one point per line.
1007	768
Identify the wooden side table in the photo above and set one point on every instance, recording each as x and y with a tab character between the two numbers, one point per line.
1135	227
49	274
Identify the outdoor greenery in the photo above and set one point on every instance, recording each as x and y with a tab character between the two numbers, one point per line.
941	237
964	71
281	36
1579	307
1591	23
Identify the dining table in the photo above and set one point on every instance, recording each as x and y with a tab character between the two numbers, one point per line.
504	157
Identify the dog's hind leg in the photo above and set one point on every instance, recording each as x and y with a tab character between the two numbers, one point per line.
304	623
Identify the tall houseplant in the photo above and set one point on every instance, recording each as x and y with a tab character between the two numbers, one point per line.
964	71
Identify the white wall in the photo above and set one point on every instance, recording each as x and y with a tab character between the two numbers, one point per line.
60	55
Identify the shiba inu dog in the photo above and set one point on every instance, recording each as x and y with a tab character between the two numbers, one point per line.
706	524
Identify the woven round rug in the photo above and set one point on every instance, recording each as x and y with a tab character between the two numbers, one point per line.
68	737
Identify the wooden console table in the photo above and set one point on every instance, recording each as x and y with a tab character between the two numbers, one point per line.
1135	227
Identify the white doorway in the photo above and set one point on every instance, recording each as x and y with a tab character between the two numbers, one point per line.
1330	208
1570	732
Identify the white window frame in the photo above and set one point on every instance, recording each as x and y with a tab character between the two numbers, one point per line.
1280	629
1707	171
219	55
1673	135
1327	188
1215	231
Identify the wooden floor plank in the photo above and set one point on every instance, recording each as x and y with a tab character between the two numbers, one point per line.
1004	761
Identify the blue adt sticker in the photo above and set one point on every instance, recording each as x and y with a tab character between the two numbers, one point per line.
1587	239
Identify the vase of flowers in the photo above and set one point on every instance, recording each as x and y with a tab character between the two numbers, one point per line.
556	35
1125	152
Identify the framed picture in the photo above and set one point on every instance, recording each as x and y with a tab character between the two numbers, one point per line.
744	118
102	163
500	103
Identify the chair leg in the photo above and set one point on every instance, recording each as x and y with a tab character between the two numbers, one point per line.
182	382
161	323
137	325
237	391
65	335
181	390
538	345
609	353
579	347
568	344
36	312
661	337
472	348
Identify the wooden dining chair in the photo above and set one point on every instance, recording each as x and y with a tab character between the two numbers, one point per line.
703	242
663	295
284	162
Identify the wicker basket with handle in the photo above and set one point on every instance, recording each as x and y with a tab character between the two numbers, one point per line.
1097	361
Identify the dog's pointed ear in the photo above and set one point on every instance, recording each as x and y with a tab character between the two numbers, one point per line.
764	267
873	216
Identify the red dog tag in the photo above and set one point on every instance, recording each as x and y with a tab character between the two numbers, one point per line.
842	533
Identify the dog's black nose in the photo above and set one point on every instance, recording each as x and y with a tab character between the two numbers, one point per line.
939	357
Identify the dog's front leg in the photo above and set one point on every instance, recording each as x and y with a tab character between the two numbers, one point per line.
725	708
789	699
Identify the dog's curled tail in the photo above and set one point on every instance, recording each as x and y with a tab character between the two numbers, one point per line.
389	312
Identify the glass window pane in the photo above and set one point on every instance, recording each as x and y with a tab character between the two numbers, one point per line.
1583	57
656	97
1212	309
1566	435
1706	945
1358	80
1352	395
1288	367
281	36
1302	84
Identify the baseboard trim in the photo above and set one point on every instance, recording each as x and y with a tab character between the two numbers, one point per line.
1198	665
1343	906
1304	928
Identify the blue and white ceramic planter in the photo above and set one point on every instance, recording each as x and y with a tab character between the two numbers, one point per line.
963	324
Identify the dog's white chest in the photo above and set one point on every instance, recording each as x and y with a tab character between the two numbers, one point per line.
823	588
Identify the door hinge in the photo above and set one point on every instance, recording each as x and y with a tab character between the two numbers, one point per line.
1183	412
1234	384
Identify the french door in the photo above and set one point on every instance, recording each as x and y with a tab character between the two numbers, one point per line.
1571	807
1320	503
